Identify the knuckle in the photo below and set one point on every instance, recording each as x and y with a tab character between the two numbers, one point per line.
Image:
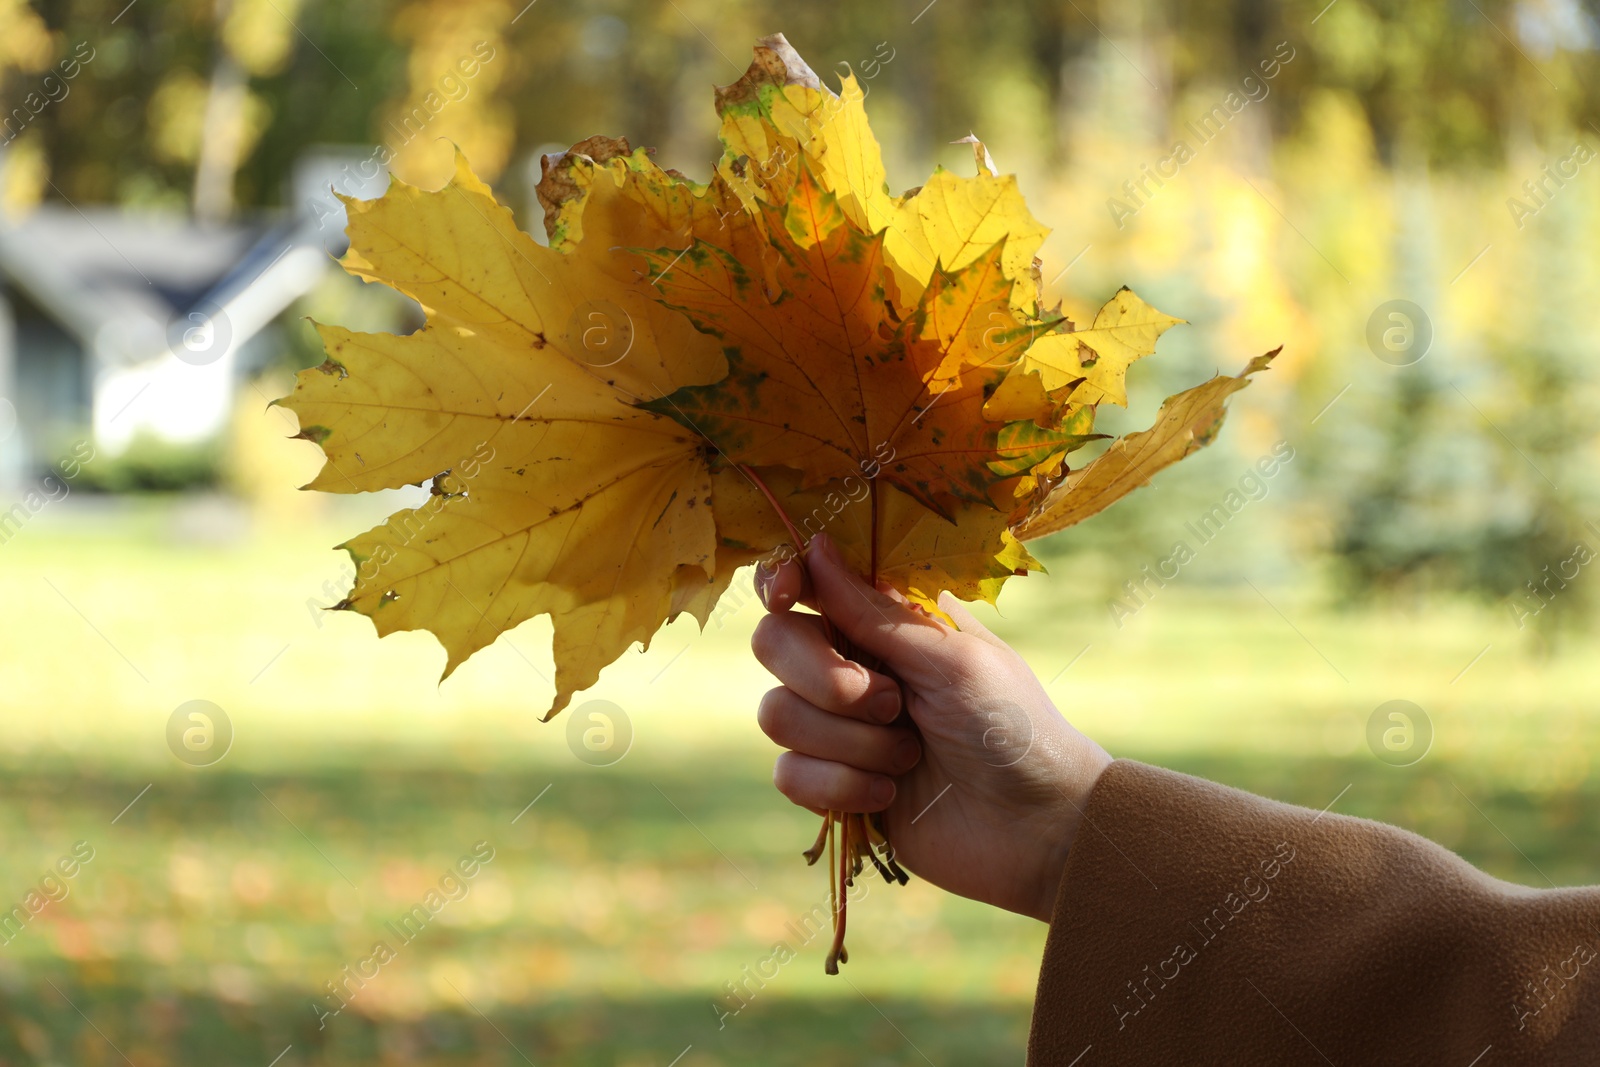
766	638
848	683
976	662
771	714
786	777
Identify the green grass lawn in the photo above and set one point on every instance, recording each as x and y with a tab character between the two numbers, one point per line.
221	900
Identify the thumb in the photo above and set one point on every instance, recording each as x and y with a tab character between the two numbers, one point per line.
921	651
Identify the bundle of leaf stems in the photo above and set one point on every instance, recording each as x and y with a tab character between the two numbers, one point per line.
850	837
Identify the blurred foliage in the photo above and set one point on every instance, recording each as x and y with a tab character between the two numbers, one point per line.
1439	82
152	464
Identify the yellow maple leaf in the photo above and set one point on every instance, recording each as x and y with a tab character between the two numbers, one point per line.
1186	423
1097	359
780	109
579	504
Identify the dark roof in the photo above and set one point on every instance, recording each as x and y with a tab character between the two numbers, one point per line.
99	267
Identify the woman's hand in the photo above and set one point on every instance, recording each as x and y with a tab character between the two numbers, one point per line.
984	796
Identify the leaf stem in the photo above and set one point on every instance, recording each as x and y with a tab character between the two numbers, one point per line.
814	853
872	518
832	964
836	954
783	516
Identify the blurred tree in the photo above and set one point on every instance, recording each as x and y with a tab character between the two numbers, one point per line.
255	39
1289	230
456	58
26	49
1477	470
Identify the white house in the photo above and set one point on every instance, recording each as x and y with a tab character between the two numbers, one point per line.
114	323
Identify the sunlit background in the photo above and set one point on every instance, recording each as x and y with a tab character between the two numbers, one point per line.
1405	194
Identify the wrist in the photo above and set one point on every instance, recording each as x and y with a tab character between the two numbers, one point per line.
1067	821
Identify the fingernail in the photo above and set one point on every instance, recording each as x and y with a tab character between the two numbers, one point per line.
906	753
822	545
764	580
881	791
886	706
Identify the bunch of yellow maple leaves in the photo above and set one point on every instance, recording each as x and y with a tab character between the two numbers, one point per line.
693	377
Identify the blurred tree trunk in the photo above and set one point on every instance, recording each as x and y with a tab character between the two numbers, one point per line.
220	137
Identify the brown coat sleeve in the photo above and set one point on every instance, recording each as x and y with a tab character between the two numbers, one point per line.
1196	924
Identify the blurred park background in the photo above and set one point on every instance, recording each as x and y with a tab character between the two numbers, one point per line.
1400	192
